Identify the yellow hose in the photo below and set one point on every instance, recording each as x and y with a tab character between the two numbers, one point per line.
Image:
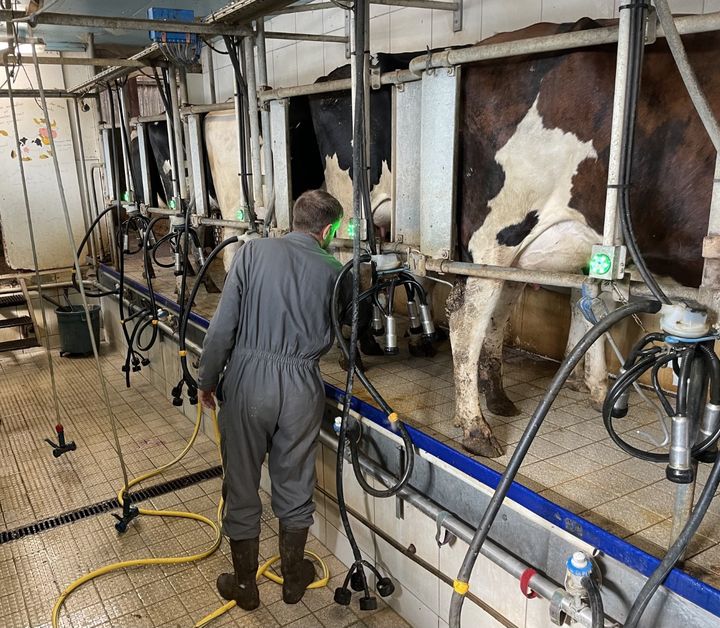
265	569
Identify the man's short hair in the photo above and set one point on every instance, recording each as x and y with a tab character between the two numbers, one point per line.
314	210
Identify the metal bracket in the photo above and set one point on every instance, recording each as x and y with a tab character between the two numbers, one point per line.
458	16
557	615
651	23
375	76
443	536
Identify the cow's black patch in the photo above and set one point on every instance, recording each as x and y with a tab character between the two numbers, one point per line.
515	234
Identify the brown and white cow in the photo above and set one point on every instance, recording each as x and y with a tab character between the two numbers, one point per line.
532	180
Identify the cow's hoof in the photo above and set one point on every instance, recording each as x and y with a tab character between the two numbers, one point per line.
502	406
422	349
597	399
576	383
210	286
344	365
478	445
370	346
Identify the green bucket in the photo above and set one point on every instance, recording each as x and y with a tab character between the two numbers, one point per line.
73	329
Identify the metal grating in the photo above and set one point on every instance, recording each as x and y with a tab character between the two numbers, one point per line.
110	504
11	300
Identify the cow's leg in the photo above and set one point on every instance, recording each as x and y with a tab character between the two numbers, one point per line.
470	309
578	327
490	366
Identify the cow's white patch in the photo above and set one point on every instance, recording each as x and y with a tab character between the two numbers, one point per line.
539	165
565	245
167	167
339	184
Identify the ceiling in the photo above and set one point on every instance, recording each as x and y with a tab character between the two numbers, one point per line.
117	8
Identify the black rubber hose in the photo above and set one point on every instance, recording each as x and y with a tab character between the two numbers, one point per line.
713	363
73	277
182	329
566	368
638	13
677	549
667	406
640	346
683	381
595	601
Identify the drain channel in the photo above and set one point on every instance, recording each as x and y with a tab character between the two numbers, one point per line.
110	504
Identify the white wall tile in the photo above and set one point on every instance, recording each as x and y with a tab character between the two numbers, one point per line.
380	32
442	26
285	66
309	22
333	19
333	57
310	64
413	610
711	5
224	83
499	16
563	11
686	6
410	30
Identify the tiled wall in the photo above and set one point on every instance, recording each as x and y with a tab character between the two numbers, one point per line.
421	598
397	29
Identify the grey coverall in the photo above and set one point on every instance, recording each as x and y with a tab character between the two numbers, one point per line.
270	328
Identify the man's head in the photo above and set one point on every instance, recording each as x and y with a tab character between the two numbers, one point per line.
318	213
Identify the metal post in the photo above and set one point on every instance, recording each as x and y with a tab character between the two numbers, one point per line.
144	165
177	130
208	69
124	142
172	137
611	228
265	118
83	182
281	163
255	159
197	165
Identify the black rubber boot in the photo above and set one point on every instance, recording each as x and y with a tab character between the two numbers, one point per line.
298	572
242	585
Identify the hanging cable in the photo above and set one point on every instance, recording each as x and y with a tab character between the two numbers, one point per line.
36	264
76	261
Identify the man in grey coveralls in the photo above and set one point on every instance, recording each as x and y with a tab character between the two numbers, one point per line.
271	327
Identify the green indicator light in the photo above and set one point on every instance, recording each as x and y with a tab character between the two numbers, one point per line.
240	214
600	264
126	196
171	204
351	229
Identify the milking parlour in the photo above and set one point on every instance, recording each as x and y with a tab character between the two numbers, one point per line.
360	313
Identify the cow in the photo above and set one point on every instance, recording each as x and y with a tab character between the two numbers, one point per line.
533	163
531	187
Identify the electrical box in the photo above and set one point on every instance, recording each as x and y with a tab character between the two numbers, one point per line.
607	262
172	15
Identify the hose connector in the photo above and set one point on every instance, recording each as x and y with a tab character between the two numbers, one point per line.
577	567
620	407
426	320
414	317
376	326
679	469
391	346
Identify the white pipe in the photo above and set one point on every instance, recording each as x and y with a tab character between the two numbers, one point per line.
265	117
177	129
255	160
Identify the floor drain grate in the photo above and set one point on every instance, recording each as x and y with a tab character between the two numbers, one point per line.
110	504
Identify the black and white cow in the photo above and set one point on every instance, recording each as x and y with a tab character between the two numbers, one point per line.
533	152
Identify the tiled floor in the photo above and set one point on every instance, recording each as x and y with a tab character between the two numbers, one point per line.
34	485
573	462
